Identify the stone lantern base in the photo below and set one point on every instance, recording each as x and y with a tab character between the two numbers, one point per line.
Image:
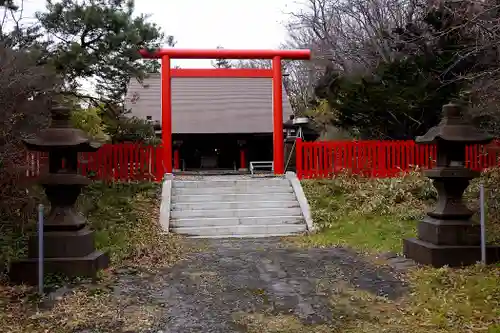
426	253
70	253
448	243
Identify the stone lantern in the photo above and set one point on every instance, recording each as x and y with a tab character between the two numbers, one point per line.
293	129
68	242
447	235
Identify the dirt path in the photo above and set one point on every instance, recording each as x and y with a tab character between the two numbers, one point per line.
204	292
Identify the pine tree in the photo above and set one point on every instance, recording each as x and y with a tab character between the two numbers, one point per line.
100	40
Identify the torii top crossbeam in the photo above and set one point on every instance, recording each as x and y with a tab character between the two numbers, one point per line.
276	55
226	54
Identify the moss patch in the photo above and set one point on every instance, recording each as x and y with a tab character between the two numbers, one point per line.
267	323
442	300
373	234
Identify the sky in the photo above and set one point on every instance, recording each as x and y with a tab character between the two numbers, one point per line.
205	24
232	24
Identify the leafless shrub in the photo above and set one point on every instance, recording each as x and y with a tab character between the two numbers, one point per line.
349	36
354	36
25	88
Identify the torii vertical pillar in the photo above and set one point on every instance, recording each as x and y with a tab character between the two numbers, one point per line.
166	113
166	92
278	145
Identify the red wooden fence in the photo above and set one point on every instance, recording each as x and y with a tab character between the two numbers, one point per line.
322	159
112	162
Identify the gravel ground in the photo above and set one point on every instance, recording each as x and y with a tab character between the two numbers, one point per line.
203	292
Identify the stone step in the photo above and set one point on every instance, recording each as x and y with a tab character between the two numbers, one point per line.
242	230
267	190
230	183
232	221
233	205
243	236
230	197
250	212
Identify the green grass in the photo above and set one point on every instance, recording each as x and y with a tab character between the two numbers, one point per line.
370	234
359	220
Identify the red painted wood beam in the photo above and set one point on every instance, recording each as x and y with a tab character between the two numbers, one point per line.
278	145
226	54
166	74
221	72
166	113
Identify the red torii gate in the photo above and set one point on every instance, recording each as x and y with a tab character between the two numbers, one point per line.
166	92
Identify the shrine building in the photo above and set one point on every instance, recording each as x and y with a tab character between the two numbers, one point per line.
220	121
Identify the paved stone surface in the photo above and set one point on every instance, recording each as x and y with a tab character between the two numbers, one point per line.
203	292
397	262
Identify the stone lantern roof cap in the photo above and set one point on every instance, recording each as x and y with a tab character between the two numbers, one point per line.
296	122
454	128
60	134
289	123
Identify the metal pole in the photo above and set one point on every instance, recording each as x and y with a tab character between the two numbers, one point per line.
483	228
40	249
290	156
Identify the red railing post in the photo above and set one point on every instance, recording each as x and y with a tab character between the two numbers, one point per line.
373	158
329	159
299	157
316	162
382	159
309	165
160	160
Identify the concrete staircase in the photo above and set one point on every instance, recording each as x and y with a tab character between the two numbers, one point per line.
219	207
